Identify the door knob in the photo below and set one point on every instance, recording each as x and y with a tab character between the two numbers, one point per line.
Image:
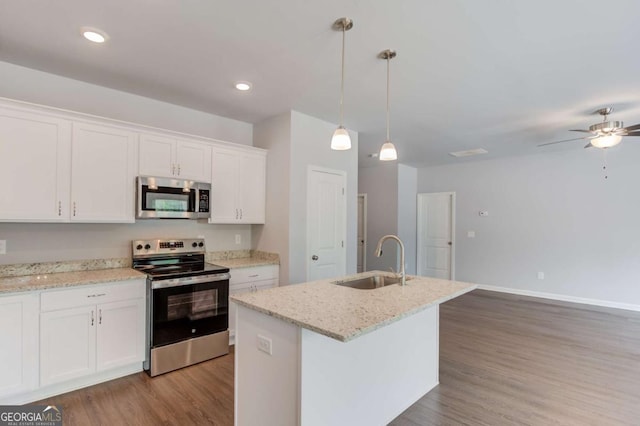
314	257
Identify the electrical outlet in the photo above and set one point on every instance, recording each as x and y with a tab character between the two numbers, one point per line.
541	275
483	213
264	345
201	237
471	234
238	239
3	246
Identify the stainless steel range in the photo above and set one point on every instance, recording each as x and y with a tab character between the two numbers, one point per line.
188	304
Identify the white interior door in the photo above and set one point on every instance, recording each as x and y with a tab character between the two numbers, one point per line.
436	235
362	233
326	223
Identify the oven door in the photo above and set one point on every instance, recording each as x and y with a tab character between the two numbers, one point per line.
184	311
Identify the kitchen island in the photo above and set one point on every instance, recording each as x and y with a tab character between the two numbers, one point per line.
319	353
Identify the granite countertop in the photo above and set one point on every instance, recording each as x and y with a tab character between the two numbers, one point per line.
345	313
235	259
12	284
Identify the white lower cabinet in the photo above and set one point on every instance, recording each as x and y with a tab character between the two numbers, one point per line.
249	279
18	344
79	337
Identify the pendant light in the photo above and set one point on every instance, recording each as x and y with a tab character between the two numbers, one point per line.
388	151
341	140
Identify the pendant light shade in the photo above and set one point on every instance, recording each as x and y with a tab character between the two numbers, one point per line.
341	140
388	151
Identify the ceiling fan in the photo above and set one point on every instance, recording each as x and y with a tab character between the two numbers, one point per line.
605	134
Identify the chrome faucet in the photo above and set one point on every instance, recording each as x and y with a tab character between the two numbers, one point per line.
379	253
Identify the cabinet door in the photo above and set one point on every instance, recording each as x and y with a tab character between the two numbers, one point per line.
19	340
193	161
224	186
251	193
157	156
67	344
103	174
34	167
121	333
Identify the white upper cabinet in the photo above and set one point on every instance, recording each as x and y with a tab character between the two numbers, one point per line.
34	167
169	157
103	170
238	186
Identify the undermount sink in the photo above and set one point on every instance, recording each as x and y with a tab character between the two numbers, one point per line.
369	283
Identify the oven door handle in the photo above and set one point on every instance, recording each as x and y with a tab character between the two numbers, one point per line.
177	282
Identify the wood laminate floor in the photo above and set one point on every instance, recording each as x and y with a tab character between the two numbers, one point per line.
505	360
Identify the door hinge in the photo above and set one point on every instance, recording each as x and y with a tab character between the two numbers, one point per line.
342	191
342	244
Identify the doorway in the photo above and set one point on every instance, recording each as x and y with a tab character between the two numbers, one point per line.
436	234
326	223
362	233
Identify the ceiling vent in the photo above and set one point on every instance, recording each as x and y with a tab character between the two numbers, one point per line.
469	152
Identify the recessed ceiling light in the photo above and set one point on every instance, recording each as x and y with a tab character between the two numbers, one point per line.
469	152
94	35
243	86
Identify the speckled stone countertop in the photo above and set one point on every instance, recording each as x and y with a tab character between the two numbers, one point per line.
235	259
66	279
345	313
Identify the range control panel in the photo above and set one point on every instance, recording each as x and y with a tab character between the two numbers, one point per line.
151	247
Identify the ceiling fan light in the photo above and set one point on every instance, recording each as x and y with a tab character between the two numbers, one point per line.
606	141
340	140
388	152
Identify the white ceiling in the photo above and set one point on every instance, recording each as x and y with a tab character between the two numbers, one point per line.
502	75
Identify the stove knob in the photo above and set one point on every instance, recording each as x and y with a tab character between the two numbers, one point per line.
201	244
194	245
139	247
147	246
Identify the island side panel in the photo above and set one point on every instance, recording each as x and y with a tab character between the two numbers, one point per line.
266	386
372	379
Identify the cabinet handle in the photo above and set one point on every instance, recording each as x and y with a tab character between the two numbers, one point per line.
178	169
173	169
100	316
240	213
253	276
97	295
92	318
74	208
59	208
236	213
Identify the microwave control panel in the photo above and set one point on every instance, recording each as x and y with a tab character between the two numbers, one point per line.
203	202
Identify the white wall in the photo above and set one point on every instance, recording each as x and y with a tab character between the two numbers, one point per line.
553	213
310	145
49	242
274	134
295	141
407	211
380	183
39	87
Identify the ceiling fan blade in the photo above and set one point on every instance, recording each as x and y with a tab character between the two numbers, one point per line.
566	140
580	130
588	145
632	134
631	128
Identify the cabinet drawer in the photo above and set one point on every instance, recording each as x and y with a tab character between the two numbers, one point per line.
257	273
257	285
92	294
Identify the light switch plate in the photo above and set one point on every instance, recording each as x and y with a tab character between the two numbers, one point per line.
471	234
264	344
483	213
3	246
238	238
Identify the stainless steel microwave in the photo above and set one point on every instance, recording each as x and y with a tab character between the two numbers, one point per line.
166	198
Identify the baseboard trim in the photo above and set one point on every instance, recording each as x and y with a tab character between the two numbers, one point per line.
562	297
71	385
